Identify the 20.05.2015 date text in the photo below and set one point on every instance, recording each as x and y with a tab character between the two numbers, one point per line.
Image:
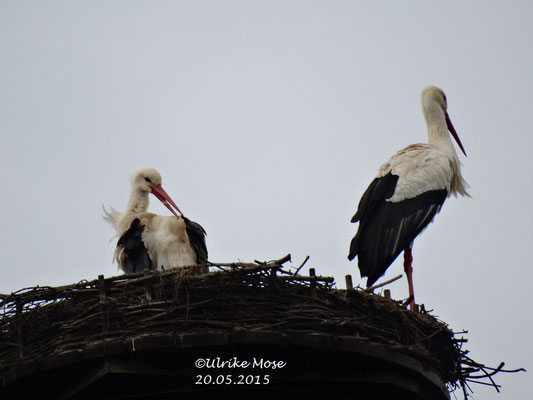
232	379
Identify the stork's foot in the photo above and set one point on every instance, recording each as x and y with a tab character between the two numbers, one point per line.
412	305
410	301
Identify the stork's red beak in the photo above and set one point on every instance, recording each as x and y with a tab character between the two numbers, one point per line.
453	132
164	198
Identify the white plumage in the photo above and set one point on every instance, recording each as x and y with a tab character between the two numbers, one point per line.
423	167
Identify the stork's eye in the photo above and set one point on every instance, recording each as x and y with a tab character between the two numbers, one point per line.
148	180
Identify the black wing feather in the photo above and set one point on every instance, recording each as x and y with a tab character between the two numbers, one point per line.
387	228
379	190
136	256
197	238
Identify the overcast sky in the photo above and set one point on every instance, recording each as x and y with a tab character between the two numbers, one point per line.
267	121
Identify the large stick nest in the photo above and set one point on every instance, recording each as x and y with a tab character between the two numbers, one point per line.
41	321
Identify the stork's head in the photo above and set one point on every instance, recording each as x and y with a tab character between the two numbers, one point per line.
148	179
434	96
145	178
435	106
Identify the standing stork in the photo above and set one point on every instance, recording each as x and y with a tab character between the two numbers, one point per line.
151	241
407	193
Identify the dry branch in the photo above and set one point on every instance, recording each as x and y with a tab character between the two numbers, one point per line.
371	288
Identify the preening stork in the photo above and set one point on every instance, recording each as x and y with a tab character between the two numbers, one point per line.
151	241
407	193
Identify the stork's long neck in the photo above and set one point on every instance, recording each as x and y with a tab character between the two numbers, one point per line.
438	134
138	201
439	137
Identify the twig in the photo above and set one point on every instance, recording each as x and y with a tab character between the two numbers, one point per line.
279	262
299	268
382	284
231	264
283	260
310	278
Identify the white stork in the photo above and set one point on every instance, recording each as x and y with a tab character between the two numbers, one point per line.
407	193
151	241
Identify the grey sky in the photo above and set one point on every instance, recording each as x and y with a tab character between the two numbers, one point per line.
267	121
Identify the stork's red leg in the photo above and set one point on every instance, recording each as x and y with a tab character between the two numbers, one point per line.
408	268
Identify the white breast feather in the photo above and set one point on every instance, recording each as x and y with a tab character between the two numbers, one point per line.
165	238
167	243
